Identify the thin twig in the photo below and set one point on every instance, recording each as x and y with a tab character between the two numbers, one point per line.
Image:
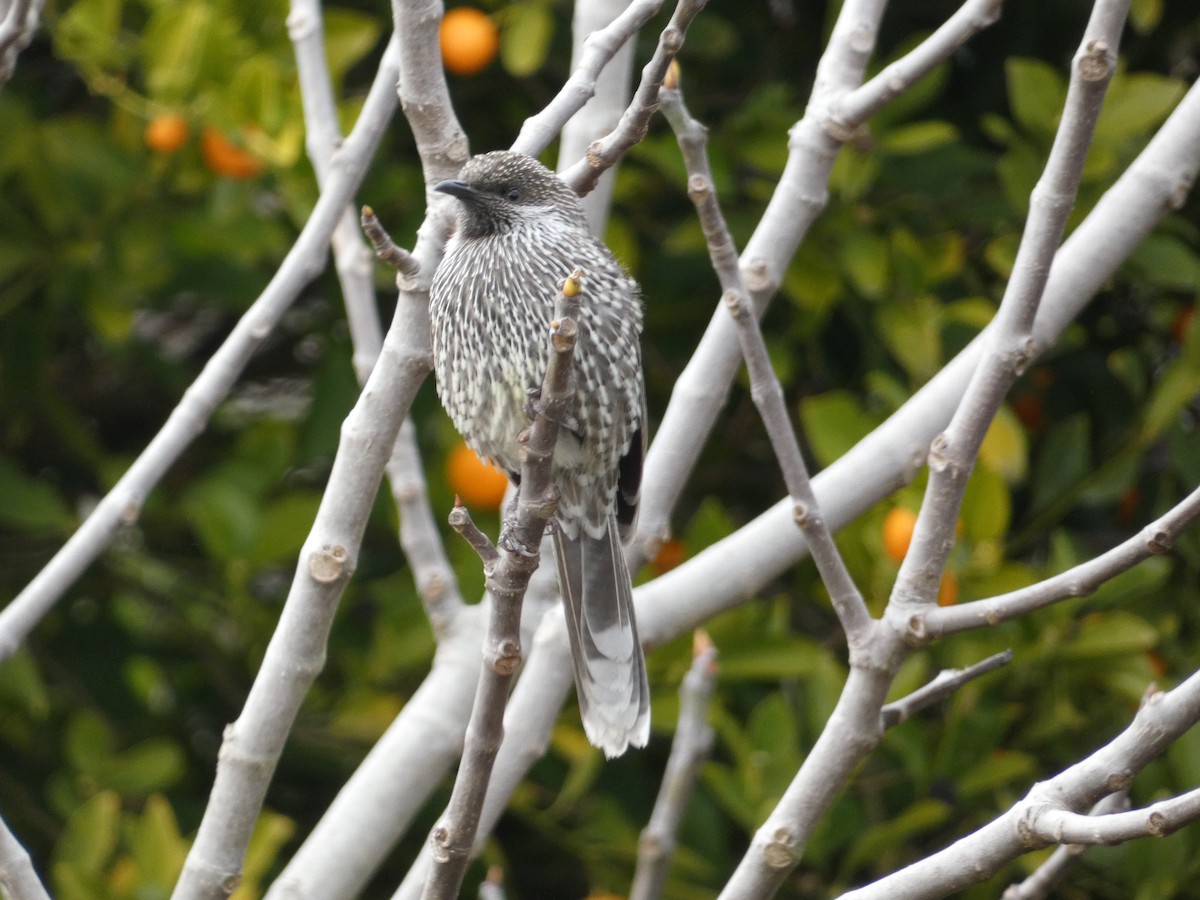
605	152
1042	880
692	743
1161	720
854	108
16	31
385	248
1155	539
765	389
945	683
952	453
507	580
540	130
18	880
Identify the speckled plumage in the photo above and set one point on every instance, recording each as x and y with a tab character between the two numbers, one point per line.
520	232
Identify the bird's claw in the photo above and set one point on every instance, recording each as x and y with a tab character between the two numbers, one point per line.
510	543
534	408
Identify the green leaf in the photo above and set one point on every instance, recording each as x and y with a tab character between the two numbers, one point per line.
1036	93
768	660
987	506
349	36
865	258
1108	635
154	764
156	845
271	832
525	37
913	335
919	137
1144	15
1064	460
1137	104
999	769
30	504
1167	261
284	526
919	818
1005	448
90	837
833	423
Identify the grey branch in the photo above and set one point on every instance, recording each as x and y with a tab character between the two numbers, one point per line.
605	152
1012	344
853	109
540	130
1156	538
692	743
943	685
18	22
507	580
18	880
1049	873
765	388
610	96
1162	718
385	248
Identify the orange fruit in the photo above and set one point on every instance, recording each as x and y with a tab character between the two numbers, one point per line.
476	482
670	554
898	527
948	590
225	158
166	133
469	40
1180	326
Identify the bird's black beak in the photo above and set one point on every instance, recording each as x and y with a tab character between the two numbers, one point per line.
456	188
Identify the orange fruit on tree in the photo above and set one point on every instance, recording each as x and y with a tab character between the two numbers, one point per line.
948	590
224	157
469	40
476	482
166	133
898	527
670	554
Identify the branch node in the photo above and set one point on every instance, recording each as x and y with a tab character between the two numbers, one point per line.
1160	542
778	853
328	564
1096	63
733	303
755	275
672	39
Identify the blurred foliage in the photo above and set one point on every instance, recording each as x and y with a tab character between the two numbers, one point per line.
123	265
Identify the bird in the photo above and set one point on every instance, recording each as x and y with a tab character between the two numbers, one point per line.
520	230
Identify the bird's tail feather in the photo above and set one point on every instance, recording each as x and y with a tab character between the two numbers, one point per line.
610	670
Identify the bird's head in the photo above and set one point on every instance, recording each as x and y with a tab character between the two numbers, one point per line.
502	191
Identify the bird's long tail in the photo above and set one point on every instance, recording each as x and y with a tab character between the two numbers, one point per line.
610	671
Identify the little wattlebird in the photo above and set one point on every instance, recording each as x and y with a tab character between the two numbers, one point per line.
520	232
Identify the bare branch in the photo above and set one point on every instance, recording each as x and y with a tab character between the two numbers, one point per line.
1049	873
16	31
978	856
460	521
454	834
692	743
1156	538
385	248
854	108
801	195
18	880
1012	346
540	130
605	152
943	685
765	389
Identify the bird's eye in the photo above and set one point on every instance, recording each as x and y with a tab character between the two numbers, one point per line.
512	195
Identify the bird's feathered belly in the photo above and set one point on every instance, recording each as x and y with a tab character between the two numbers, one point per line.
490	332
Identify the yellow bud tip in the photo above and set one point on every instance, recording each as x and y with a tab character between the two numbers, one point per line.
573	284
368	212
671	79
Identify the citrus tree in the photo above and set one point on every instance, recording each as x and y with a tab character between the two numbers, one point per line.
918	284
